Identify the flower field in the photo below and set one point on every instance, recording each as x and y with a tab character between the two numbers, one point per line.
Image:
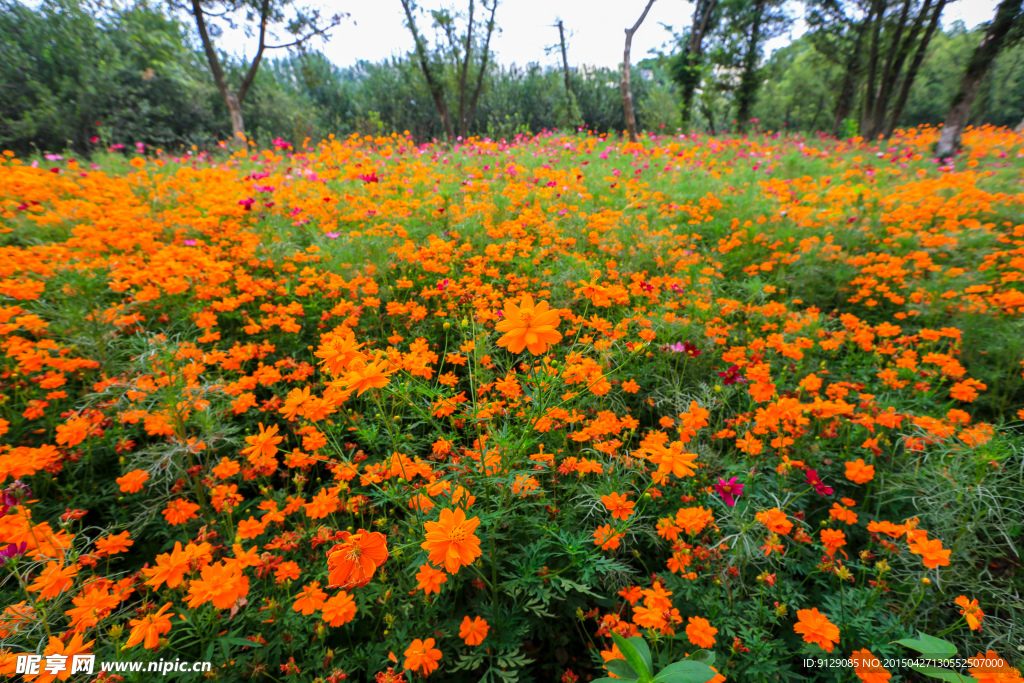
376	411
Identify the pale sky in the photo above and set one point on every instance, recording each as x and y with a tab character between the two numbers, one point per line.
376	31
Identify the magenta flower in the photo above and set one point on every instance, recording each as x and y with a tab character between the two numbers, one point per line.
729	490
819	486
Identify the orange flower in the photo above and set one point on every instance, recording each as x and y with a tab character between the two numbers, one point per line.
607	538
117	543
352	562
54	580
133	481
859	472
931	552
869	668
365	376
221	583
971	611
833	540
618	506
473	631
422	656
73	432
700	632
991	668
430	579
262	446
339	609
776	521
527	326
816	628
179	511
451	541
56	646
310	600
148	629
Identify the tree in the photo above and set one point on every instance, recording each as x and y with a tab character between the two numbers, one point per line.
457	54
685	67
627	93
838	38
302	25
1006	27
572	111
897	29
749	25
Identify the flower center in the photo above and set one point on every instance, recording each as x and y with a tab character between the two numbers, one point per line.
458	534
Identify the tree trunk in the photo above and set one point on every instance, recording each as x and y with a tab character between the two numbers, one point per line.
232	100
565	69
747	92
464	73
627	93
915	65
433	84
1020	127
475	97
691	60
1008	12
877	10
884	87
848	90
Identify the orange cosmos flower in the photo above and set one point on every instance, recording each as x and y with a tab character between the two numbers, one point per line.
222	584
54	580
339	610
451	541
931	552
700	632
73	432
430	579
148	629
869	667
338	349
971	611
56	646
311	599
365	376
833	540
816	628
117	543
991	668
262	446
422	656
133	481
352	562
618	506
179	511
528	326
776	521
607	538
859	472
473	631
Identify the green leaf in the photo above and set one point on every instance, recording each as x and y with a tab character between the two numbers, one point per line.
703	656
620	668
240	641
943	674
644	651
633	656
929	646
686	671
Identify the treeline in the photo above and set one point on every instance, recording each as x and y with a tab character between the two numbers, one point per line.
76	77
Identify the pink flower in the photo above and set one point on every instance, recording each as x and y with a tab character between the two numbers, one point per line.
728	489
819	486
